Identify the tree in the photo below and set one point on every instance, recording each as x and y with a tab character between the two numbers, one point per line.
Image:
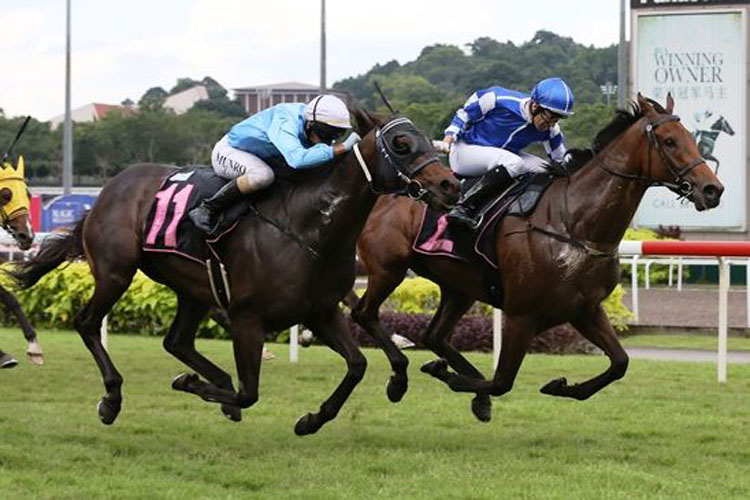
154	96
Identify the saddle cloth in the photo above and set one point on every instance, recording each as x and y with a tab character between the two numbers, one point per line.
437	237
169	229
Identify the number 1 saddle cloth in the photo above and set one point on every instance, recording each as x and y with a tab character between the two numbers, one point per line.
169	229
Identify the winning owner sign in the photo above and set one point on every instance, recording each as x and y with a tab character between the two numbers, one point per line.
700	58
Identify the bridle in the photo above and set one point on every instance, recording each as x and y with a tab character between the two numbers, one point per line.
403	168
680	185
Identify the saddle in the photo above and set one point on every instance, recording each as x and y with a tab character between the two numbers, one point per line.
168	229
477	247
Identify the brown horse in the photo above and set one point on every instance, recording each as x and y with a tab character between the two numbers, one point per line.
557	265
292	265
14	217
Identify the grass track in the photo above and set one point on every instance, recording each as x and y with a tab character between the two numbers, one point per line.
666	430
704	340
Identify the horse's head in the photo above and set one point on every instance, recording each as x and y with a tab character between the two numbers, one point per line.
722	125
407	163
14	204
671	157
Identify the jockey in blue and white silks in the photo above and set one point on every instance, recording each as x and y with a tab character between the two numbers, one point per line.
300	134
487	135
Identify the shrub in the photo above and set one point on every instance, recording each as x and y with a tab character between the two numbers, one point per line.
146	308
474	333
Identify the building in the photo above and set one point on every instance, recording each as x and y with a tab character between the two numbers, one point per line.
88	113
260	97
182	101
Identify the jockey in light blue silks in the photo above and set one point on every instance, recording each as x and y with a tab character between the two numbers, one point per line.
488	133
300	134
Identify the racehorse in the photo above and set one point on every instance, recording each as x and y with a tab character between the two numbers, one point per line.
291	264
14	213
707	139
555	266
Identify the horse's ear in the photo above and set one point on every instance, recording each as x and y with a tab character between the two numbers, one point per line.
364	122
646	108
670	103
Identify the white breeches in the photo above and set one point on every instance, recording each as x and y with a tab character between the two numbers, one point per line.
470	160
232	163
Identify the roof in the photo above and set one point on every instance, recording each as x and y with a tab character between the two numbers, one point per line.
280	86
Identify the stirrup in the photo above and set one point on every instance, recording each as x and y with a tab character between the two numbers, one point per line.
460	217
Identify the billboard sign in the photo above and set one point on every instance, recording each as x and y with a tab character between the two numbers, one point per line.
64	211
700	58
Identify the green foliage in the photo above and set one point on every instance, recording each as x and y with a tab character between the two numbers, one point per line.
443	76
147	307
421	296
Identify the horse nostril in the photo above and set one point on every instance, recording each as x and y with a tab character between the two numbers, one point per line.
712	194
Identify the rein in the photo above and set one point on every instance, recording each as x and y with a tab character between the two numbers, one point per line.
413	188
680	185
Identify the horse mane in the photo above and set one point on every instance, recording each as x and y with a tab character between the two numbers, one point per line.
623	119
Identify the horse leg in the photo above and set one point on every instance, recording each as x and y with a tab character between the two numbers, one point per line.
331	328
517	334
452	307
34	350
110	284
596	328
247	341
366	311
180	342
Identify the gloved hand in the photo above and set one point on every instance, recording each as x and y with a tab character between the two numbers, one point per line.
442	146
557	169
350	141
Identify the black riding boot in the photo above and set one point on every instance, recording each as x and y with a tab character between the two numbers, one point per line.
206	215
493	182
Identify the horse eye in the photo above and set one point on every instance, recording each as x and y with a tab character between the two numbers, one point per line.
669	142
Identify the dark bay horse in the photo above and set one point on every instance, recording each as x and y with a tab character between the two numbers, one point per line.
14	217
557	272
275	281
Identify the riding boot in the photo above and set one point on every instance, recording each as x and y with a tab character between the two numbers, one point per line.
206	215
467	211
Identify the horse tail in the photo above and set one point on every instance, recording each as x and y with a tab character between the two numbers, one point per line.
53	252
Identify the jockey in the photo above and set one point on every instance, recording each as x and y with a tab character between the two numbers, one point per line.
300	134
487	135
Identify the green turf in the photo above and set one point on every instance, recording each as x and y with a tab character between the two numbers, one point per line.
666	430
705	340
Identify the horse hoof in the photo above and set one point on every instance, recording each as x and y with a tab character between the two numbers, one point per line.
233	413
481	407
307	424
555	387
182	382
436	367
396	388
35	358
107	411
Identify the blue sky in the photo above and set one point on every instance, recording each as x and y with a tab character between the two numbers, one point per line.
120	49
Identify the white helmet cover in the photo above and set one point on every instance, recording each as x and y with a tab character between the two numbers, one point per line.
328	109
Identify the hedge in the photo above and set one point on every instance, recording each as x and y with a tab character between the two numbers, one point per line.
148	308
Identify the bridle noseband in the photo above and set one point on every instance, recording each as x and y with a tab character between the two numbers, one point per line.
680	185
403	169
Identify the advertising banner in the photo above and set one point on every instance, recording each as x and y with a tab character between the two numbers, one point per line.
700	59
